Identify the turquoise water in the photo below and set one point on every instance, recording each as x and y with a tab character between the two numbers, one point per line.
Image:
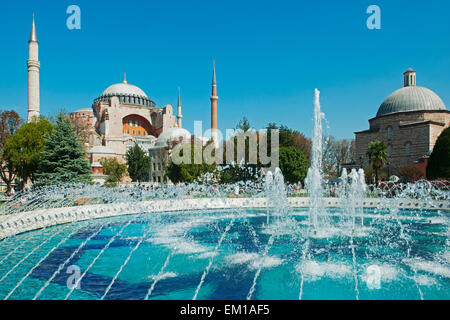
231	255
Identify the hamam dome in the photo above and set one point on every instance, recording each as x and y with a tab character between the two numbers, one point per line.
411	98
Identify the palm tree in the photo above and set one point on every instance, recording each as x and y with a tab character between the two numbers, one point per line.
378	156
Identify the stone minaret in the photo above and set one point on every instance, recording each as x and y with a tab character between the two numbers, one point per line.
409	78
214	99
179	115
33	65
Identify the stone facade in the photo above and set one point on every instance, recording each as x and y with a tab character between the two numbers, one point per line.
409	136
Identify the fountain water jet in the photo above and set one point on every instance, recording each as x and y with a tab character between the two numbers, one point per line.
314	178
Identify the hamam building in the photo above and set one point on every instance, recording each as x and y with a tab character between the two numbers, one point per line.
409	121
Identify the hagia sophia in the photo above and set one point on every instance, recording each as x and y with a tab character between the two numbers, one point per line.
122	116
409	121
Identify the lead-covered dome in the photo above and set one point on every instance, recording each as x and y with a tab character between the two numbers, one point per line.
127	94
172	134
124	89
411	98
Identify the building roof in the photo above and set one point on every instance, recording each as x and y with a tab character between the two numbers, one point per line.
411	98
84	110
101	150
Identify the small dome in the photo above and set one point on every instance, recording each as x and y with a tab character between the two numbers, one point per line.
124	89
411	98
172	134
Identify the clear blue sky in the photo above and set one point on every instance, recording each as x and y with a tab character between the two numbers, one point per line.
270	55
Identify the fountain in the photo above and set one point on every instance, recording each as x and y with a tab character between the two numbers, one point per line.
202	241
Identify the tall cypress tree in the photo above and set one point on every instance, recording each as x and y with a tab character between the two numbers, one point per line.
138	164
439	161
63	159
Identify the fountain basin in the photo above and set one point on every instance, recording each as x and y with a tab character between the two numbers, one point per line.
174	249
27	221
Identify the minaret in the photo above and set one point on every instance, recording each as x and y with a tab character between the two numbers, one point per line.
214	99
33	65
179	115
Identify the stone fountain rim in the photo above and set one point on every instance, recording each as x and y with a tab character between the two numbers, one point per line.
22	222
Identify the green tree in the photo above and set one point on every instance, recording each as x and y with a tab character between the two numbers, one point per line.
439	161
25	147
289	138
188	172
9	123
63	159
378	156
138	164
293	164
115	170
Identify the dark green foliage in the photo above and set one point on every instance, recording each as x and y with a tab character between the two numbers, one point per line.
114	170
439	161
293	164
63	159
188	172
138	164
25	147
378	156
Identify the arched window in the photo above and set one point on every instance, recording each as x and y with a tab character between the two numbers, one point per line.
389	150
408	149
389	133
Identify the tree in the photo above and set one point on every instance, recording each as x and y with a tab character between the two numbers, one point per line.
377	153
115	170
439	161
138	164
9	123
410	173
25	147
63	159
189	172
293	164
81	127
289	138
303	143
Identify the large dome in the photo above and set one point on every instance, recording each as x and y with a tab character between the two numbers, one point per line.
124	89
411	98
127	94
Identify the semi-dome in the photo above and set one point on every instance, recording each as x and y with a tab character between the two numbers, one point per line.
411	98
173	134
